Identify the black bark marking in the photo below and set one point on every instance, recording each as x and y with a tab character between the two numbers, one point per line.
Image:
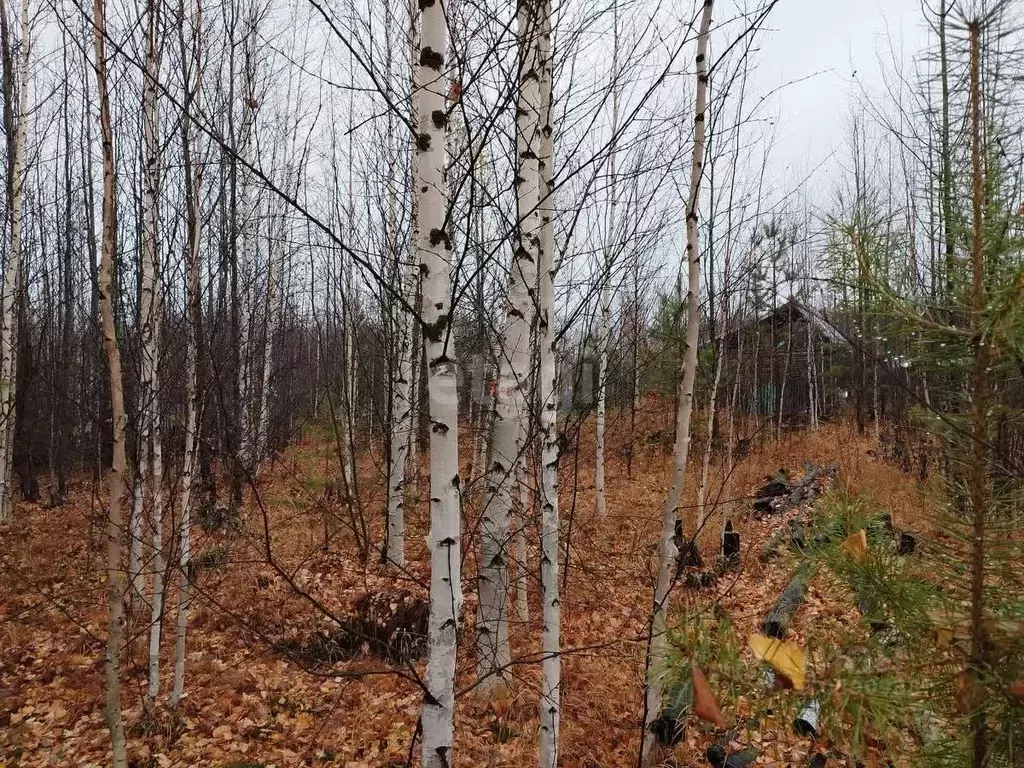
431	58
439	118
438	236
434	332
423	144
439	428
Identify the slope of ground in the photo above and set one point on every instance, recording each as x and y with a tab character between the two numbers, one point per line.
253	700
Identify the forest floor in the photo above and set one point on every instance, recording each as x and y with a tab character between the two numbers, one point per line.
266	586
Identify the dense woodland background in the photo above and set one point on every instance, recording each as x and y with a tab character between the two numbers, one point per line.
460	383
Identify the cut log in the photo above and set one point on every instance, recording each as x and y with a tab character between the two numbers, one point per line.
778	494
778	619
774	487
792	534
730	544
906	543
718	757
772	546
806	723
741	759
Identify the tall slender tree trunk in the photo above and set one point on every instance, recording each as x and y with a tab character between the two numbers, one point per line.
521	509
702	489
946	159
785	375
978	481
194	307
278	236
610	247
15	86
667	551
434	255
115	576
493	651
401	399
245	219
150	310
551	618
135	534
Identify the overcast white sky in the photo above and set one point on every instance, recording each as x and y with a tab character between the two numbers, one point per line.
849	42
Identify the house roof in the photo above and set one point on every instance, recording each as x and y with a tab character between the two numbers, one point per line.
793	308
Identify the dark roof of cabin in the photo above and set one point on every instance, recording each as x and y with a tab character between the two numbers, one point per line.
796	310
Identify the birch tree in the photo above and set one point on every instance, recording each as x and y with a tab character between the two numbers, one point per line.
401	398
605	331
150	311
192	102
509	432
667	549
15	119
434	254
115	576
551	671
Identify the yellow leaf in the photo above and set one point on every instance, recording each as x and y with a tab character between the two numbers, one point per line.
787	659
303	721
856	545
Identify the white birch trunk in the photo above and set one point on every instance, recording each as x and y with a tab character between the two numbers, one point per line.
493	651
811	393
522	509
13	395
347	269
702	489
416	351
876	404
246	218
12	271
150	310
138	584
193	302
551	665
667	550
604	335
401	422
273	318
483	438
401	386
434	254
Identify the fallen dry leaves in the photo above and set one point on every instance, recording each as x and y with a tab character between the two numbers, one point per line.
247	704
